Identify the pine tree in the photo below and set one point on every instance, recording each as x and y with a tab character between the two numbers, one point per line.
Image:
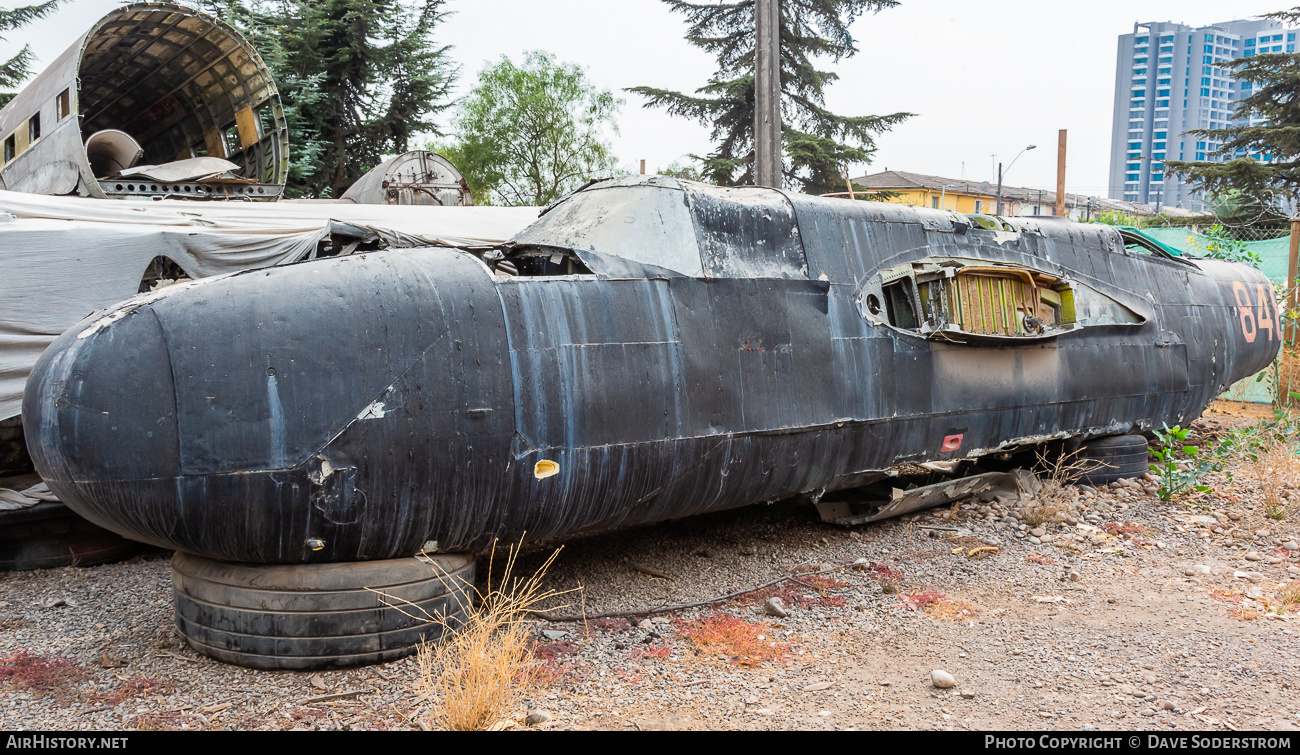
358	80
14	70
818	143
1274	80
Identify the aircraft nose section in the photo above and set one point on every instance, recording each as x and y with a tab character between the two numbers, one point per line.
100	404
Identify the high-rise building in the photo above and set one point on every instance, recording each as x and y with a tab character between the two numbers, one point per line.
1167	84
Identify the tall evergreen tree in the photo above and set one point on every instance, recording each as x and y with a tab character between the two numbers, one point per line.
818	143
358	79
1273	80
14	70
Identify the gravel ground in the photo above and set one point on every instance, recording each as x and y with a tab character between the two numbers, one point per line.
1128	613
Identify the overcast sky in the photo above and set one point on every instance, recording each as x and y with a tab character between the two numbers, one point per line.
982	78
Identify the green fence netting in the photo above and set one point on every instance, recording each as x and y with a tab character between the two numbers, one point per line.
1274	255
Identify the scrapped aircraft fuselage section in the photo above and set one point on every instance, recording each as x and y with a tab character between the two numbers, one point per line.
649	349
150	84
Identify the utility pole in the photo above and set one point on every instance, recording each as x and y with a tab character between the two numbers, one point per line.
643	167
999	212
1060	177
767	93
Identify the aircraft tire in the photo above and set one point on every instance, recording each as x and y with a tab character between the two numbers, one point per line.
50	535
318	616
1116	457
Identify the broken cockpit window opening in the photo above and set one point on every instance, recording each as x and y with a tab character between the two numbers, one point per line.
1137	243
963	300
534	262
161	273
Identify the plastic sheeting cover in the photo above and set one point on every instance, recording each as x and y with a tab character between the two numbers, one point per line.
64	257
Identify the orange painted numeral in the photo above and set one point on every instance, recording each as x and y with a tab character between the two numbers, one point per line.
1248	327
1266	321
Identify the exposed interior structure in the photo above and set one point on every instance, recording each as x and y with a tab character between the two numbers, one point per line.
964	300
419	177
150	85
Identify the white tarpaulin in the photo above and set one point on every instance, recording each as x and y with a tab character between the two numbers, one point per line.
63	258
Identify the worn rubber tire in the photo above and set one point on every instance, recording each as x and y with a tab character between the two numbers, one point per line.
1114	457
317	616
50	535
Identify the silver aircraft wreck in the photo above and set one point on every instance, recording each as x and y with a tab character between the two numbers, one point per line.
155	100
648	349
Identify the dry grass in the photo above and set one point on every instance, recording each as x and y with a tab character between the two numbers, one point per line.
1288	596
1058	497
738	641
136	686
483	666
1246	614
950	609
1277	474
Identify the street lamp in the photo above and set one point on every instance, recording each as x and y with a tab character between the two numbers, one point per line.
1013	162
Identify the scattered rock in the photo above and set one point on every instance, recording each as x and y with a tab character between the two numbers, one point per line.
645	624
1234	516
1250	575
942	679
1168	705
861	564
967	694
318	682
1148	712
818	687
1075	576
776	607
1262	533
538	716
1291	545
1201	569
1038	532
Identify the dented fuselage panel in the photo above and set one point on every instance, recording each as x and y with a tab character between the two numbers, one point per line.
649	349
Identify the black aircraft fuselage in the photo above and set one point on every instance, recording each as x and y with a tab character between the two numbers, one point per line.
649	349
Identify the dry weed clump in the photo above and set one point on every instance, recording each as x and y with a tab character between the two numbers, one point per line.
1277	473
483	665
916	601
39	673
890	580
1058	497
1288	596
136	685
949	609
733	638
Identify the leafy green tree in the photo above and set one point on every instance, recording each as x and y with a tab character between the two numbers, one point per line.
359	79
1274	98
818	143
14	70
529	134
678	169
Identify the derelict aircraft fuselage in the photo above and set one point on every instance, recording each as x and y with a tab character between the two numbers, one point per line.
649	349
